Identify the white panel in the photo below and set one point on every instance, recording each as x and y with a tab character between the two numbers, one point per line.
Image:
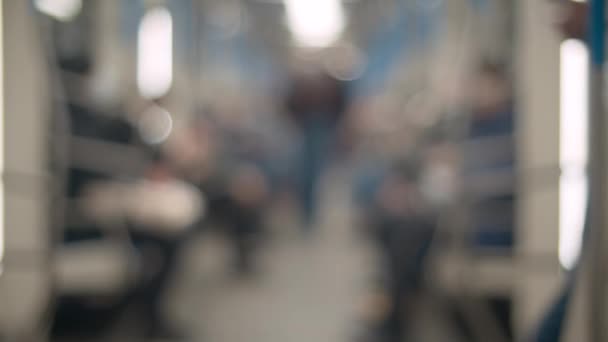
23	295
26	107
24	285
26	227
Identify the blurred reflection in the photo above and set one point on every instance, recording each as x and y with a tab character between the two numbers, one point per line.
489	158
345	62
155	125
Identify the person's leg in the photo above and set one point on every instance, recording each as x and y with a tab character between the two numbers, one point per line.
396	287
308	195
501	308
248	193
159	261
405	242
245	229
313	158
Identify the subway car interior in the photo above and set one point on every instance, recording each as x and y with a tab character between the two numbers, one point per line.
303	170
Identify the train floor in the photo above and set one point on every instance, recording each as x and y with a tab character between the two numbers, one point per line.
306	288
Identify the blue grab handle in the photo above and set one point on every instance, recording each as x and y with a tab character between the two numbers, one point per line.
597	31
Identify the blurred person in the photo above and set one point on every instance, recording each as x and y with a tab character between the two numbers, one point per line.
75	313
231	172
407	175
115	182
489	158
161	210
316	104
396	215
156	206
248	195
391	209
488	175
92	132
158	211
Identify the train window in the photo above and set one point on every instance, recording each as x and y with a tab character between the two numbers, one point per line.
573	149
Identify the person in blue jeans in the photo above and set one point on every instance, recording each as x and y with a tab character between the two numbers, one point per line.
315	104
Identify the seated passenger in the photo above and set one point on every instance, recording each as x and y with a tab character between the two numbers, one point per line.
110	193
396	215
489	160
160	209
235	180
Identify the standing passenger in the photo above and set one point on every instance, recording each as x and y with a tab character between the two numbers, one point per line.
316	104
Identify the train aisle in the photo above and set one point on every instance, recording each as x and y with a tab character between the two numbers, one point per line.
308	289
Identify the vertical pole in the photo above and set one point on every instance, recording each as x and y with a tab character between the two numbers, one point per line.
537	68
598	173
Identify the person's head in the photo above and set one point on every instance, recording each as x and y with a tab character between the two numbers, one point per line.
248	186
316	91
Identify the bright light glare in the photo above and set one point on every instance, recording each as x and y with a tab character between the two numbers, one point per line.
315	23
62	10
155	53
574	118
155	125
